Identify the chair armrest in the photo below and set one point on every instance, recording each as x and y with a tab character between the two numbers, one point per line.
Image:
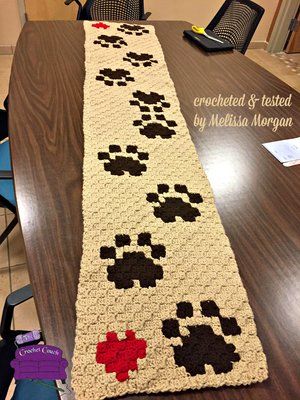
14	299
68	2
5	103
146	16
6	175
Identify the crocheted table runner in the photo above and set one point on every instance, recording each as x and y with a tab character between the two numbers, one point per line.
161	306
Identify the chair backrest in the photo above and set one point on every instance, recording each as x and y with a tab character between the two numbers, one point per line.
112	10
236	21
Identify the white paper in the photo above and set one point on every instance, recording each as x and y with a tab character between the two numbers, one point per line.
285	151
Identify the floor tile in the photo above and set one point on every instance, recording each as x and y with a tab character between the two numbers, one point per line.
3	246
5	50
4	287
16	249
25	315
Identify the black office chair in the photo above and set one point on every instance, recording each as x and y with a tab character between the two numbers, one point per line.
110	10
7	344
236	21
5	103
7	193
4	121
3	125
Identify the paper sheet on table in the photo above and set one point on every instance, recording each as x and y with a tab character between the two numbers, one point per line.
286	151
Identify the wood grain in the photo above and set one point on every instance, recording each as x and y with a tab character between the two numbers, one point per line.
257	198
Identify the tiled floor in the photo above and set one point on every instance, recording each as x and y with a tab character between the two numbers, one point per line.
284	66
13	269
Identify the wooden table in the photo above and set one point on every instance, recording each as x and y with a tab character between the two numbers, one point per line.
257	198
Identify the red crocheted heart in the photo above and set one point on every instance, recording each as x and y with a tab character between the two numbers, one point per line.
120	356
100	25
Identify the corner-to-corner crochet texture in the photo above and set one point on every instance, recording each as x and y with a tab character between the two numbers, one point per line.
161	306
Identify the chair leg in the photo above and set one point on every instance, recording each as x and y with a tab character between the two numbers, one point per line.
5	103
146	16
7	231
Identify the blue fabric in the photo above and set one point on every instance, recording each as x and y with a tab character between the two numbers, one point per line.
35	390
6	185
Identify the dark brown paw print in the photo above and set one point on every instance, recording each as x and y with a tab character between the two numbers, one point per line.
112	76
110	41
138	60
130	29
168	206
132	265
153	130
153	123
117	162
202	346
149	101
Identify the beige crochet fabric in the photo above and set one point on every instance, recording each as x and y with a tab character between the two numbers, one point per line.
156	260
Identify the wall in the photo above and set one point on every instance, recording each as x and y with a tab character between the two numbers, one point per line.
264	26
50	9
10	23
200	12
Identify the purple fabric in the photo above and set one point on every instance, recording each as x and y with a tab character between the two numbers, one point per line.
39	362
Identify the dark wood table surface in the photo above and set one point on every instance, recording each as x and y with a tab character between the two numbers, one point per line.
258	199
